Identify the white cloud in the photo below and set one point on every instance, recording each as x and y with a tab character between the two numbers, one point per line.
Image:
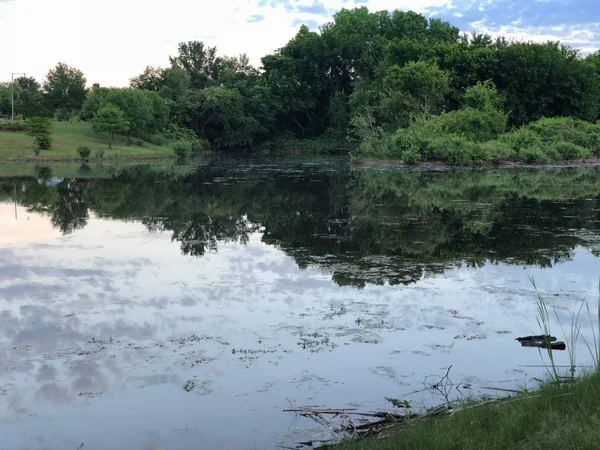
113	40
581	36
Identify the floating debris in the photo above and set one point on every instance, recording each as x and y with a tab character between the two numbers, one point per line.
542	341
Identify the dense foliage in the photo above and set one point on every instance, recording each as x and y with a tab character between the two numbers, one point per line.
380	81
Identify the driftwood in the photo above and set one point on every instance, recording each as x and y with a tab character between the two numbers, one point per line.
339	412
540	337
542	341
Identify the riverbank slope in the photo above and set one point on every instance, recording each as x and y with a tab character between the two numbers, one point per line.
554	417
67	137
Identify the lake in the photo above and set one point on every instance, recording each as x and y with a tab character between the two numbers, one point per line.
186	306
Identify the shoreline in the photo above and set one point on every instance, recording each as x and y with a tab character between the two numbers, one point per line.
522	420
371	162
367	162
34	159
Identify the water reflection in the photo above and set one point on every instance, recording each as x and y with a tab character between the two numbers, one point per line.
360	225
238	280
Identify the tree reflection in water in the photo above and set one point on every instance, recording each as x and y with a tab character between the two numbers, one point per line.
361	225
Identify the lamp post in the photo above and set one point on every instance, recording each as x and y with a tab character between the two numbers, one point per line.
12	85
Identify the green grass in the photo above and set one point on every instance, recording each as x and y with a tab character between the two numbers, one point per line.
555	417
66	137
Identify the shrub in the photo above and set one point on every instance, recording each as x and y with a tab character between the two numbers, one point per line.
16	126
567	129
84	152
411	156
483	96
521	138
378	148
569	150
39	128
533	154
497	151
99	153
182	148
326	143
455	149
474	124
66	115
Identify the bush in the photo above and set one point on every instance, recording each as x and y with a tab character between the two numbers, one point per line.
521	138
99	153
16	126
455	149
323	144
534	154
476	125
411	156
84	152
569	150
378	148
39	128
182	148
67	115
497	151
566	129
483	96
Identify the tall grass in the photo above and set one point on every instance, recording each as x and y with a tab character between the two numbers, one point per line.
571	339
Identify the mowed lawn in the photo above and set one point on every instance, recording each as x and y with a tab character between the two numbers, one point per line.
67	137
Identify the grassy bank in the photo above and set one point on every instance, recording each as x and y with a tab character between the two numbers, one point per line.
555	417
67	137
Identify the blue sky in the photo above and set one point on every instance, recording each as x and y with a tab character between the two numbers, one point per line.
113	40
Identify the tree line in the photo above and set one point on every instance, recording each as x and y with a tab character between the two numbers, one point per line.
362	75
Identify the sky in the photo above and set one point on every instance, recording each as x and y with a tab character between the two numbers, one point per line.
114	40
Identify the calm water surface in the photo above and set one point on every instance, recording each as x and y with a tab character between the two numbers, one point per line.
185	307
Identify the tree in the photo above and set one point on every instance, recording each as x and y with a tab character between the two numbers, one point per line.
224	121
40	129
418	88
150	79
146	111
200	62
546	80
30	99
297	76
65	88
110	119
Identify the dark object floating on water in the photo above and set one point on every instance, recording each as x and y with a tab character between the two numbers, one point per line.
540	337
542	341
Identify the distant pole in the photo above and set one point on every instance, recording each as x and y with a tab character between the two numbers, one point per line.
12	85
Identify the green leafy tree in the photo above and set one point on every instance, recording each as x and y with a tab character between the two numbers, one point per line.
146	111
5	99
546	80
224	121
199	61
31	101
65	88
297	76
418	88
40	128
110	119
